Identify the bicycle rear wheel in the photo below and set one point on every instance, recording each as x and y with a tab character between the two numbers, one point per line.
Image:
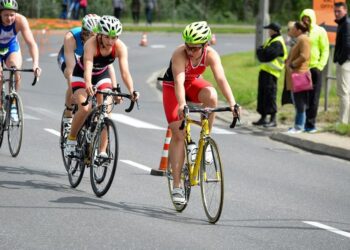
76	165
212	181
102	170
15	128
63	140
185	183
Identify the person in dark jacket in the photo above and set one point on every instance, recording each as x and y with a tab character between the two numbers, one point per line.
272	56
342	60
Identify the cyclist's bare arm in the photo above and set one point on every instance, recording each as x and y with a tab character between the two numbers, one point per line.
178	68
122	54
69	47
111	72
89	52
214	61
22	26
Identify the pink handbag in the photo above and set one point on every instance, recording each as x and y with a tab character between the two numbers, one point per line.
301	82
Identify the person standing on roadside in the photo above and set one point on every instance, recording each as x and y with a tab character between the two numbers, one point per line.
272	56
342	60
150	6
298	62
135	10
118	6
319	58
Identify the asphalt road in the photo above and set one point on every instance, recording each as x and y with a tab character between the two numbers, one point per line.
276	196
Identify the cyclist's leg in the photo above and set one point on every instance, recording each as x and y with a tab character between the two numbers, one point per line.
103	82
80	96
14	59
201	91
176	156
68	100
176	148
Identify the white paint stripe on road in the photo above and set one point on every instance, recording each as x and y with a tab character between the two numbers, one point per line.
328	228
134	122
52	131
29	117
137	165
158	46
221	131
53	54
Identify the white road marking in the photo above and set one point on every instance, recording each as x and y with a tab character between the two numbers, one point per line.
221	131
158	46
29	117
53	54
134	122
43	111
52	131
328	228
137	165
29	59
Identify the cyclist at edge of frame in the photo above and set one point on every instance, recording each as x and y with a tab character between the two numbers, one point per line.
182	81
70	52
91	71
12	23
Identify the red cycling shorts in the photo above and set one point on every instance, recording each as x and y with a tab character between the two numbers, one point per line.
170	103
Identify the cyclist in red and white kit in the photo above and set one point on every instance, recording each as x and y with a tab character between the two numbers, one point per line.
182	82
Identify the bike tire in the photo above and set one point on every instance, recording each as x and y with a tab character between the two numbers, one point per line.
212	182
3	121
15	129
102	172
185	183
76	165
63	140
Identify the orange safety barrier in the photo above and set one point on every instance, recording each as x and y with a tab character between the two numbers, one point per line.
164	159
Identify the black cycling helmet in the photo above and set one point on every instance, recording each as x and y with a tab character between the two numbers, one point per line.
8	5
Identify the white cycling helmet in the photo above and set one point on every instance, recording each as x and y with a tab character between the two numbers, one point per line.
90	22
110	26
8	5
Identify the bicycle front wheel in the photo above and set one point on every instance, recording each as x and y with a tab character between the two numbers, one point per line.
3	117
15	125
212	181
185	183
75	165
103	168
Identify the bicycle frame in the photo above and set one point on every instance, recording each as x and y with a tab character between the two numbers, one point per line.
204	133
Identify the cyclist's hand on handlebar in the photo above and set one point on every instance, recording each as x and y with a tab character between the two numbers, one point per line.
89	89
180	111
236	110
37	71
135	96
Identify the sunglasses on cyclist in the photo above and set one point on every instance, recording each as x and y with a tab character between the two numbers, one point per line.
193	48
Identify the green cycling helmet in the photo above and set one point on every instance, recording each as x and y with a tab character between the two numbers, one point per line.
197	33
8	5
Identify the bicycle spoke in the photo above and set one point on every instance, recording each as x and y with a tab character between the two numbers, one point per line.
211	181
15	126
103	168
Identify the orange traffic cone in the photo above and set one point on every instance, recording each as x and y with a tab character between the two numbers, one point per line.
164	159
143	41
213	40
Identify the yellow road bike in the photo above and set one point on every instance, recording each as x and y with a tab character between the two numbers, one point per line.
204	167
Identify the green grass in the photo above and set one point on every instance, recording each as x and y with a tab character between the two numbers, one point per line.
242	69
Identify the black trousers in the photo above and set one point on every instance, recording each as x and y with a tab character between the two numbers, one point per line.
314	98
267	91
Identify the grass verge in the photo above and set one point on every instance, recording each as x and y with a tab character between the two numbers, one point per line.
242	71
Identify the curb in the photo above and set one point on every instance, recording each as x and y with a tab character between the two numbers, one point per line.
314	147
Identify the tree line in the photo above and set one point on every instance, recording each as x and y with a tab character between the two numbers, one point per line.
181	11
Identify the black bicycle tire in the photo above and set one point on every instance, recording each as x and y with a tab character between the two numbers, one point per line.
213	218
66	166
185	179
14	151
110	124
79	161
3	123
